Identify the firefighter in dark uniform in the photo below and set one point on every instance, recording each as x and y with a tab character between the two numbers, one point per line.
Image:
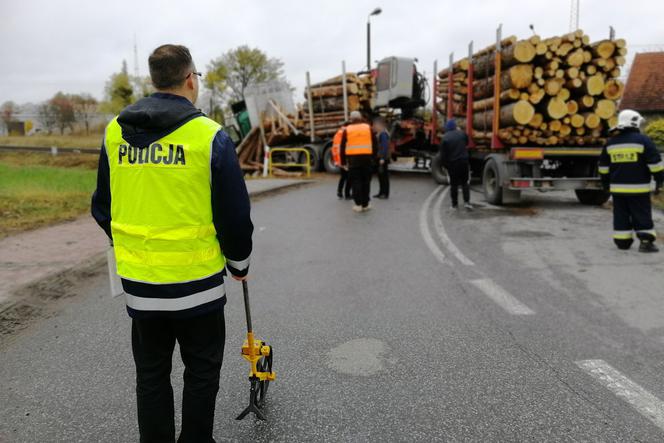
626	165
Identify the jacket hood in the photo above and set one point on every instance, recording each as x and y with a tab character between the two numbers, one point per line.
154	117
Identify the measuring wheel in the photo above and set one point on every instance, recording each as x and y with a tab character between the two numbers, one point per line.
263	365
259	355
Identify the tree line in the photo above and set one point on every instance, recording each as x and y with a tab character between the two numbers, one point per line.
226	80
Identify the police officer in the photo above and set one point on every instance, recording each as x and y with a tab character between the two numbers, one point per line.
626	165
171	197
358	148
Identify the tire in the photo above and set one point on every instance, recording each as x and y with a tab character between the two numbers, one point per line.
493	191
313	159
328	164
438	171
592	197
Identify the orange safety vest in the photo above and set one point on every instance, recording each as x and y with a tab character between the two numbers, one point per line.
358	139
336	145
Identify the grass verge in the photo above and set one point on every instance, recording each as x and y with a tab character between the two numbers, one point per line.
34	195
61	141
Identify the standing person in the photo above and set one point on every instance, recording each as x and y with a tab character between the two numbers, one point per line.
383	139
344	179
358	149
454	151
626	165
171	197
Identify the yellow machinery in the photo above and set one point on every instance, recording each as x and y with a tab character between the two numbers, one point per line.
259	355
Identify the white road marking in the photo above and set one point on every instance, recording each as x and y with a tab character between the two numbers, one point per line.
503	298
442	234
643	401
426	232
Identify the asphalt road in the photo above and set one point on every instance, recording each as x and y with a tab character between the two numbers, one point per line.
411	322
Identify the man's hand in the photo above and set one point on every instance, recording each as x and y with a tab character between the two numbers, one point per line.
245	278
381	161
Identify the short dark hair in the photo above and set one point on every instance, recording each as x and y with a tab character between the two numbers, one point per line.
169	65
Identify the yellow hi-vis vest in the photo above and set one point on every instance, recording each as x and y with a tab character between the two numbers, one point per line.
358	139
161	211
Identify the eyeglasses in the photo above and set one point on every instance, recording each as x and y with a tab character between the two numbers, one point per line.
194	73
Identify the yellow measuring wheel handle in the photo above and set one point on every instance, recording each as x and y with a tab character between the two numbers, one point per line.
254	352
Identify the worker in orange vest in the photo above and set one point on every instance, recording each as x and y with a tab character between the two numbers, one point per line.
358	150
344	180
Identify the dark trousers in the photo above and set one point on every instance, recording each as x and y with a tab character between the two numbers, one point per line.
201	341
383	180
632	213
459	176
360	177
344	183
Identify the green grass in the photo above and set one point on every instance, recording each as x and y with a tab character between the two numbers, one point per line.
33	195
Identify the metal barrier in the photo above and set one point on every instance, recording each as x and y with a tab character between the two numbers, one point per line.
306	166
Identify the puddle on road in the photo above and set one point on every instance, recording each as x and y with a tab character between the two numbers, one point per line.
360	357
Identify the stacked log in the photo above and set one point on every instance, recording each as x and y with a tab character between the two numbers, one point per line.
328	115
555	91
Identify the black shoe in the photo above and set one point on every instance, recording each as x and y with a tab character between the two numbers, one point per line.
348	197
340	196
381	196
648	246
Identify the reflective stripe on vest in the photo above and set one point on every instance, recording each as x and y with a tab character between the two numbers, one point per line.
358	139
161	216
624	188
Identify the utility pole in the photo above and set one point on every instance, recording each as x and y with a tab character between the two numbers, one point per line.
575	7
135	57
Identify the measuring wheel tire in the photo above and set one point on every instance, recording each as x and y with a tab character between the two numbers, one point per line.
438	171
263	365
592	197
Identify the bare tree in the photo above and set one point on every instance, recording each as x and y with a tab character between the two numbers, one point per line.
63	107
8	111
46	116
85	108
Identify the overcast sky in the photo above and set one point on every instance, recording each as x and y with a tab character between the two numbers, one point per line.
74	45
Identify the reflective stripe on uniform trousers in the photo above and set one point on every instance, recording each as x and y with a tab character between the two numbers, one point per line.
603	169
648	231
623	235
630	188
175	304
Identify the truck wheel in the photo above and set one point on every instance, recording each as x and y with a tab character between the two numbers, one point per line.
592	197
313	159
493	192
438	171
328	164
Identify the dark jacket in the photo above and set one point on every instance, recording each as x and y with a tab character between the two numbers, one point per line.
383	140
358	160
628	161
454	146
147	121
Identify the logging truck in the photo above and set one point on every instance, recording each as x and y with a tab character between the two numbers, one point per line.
536	111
